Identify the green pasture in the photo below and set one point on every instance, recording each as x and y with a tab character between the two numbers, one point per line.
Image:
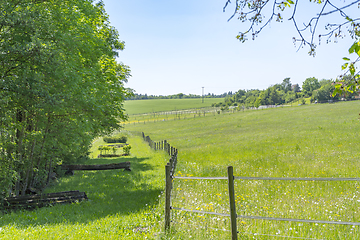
318	140
162	105
121	205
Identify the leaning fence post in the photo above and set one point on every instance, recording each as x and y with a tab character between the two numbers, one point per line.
167	197
232	203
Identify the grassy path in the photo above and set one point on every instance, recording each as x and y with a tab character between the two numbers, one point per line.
121	205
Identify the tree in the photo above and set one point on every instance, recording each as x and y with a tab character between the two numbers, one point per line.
60	86
286	84
309	85
324	93
295	88
258	14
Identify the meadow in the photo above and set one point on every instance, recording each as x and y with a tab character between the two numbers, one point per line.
318	140
134	107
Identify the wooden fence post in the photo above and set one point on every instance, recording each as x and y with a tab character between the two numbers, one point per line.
232	203
167	197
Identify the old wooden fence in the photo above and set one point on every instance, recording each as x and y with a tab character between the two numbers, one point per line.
30	202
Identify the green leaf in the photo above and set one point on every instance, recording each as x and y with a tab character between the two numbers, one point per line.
349	19
355	48
344	66
352	69
346	59
290	1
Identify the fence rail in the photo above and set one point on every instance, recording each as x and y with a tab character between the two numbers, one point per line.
30	202
233	216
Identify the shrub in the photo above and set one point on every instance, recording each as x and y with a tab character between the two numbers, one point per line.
126	149
121	139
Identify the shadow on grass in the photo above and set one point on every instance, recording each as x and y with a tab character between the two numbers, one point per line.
110	192
137	164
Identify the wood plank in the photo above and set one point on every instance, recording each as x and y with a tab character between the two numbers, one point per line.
34	203
40	196
122	165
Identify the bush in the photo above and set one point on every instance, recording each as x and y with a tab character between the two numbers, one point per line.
126	149
121	139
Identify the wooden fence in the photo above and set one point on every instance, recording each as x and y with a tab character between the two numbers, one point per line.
122	165
169	171
233	216
30	202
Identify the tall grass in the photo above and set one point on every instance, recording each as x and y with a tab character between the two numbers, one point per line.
306	141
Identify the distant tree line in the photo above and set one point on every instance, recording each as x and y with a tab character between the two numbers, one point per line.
137	96
284	93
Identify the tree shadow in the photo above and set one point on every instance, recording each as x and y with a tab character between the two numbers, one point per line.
110	192
137	164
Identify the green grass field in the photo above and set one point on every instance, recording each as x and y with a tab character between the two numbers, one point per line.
304	141
161	105
121	205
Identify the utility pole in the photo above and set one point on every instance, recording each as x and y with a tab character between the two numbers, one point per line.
202	94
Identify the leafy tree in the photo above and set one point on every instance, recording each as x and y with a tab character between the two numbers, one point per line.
295	88
309	85
180	95
256	15
286	84
60	86
324	93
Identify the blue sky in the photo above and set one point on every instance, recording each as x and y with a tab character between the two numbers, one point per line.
178	46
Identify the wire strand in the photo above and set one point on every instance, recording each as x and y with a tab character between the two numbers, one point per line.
217	229
197	211
274	235
270	178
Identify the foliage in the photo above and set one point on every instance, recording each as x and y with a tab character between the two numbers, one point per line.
120	139
310	85
57	64
126	149
277	94
139	96
296	88
324	93
259	14
104	148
